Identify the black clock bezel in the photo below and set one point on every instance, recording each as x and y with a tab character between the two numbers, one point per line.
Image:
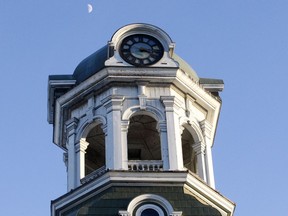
155	53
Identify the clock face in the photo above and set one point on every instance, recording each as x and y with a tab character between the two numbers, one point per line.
141	50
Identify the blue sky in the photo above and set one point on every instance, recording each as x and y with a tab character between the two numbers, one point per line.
243	42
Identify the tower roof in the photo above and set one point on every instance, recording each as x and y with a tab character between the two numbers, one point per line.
91	65
96	61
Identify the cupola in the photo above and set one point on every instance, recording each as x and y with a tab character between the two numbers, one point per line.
135	112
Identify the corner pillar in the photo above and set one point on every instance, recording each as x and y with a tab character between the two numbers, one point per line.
162	128
172	105
199	149
114	147
71	126
206	130
80	148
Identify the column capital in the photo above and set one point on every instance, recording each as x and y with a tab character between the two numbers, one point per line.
188	99
170	103
81	146
71	126
162	127
199	147
113	102
206	128
65	159
142	101
124	125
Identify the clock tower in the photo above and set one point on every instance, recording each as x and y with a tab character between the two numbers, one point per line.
136	125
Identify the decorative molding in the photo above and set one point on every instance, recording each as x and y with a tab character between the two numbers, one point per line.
176	213
153	112
81	146
142	102
162	127
124	125
65	159
95	174
150	198
206	127
199	147
71	126
124	213
113	102
181	178
188	99
171	103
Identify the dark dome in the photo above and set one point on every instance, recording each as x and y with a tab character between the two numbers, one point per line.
91	65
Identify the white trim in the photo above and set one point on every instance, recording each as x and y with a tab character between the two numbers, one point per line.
149	206
113	178
149	198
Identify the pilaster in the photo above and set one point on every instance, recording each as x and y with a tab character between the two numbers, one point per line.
124	131
199	149
80	148
162	128
114	148
172	105
206	128
71	126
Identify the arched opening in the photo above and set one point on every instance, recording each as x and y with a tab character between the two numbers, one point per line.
189	157
95	153
143	141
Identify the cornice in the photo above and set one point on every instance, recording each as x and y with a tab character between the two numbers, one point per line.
127	178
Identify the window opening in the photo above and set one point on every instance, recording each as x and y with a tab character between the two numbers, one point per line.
95	153
143	139
189	157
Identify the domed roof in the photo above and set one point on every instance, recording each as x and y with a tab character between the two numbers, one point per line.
185	67
91	65
96	61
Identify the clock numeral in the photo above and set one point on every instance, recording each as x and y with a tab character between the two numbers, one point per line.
151	43
151	59
125	52
146	61
156	47
125	47
136	39
129	42
145	40
130	58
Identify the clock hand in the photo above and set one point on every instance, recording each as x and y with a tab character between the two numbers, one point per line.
141	49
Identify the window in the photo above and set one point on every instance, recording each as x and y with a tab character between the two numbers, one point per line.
143	139
149	205
189	158
149	210
95	153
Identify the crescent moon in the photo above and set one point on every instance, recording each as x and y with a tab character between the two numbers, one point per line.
90	8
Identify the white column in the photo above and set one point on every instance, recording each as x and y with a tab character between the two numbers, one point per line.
114	147
80	148
71	126
210	170
162	128
124	131
173	133
199	149
206	128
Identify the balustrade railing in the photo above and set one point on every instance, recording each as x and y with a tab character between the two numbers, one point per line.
93	175
145	165
133	165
